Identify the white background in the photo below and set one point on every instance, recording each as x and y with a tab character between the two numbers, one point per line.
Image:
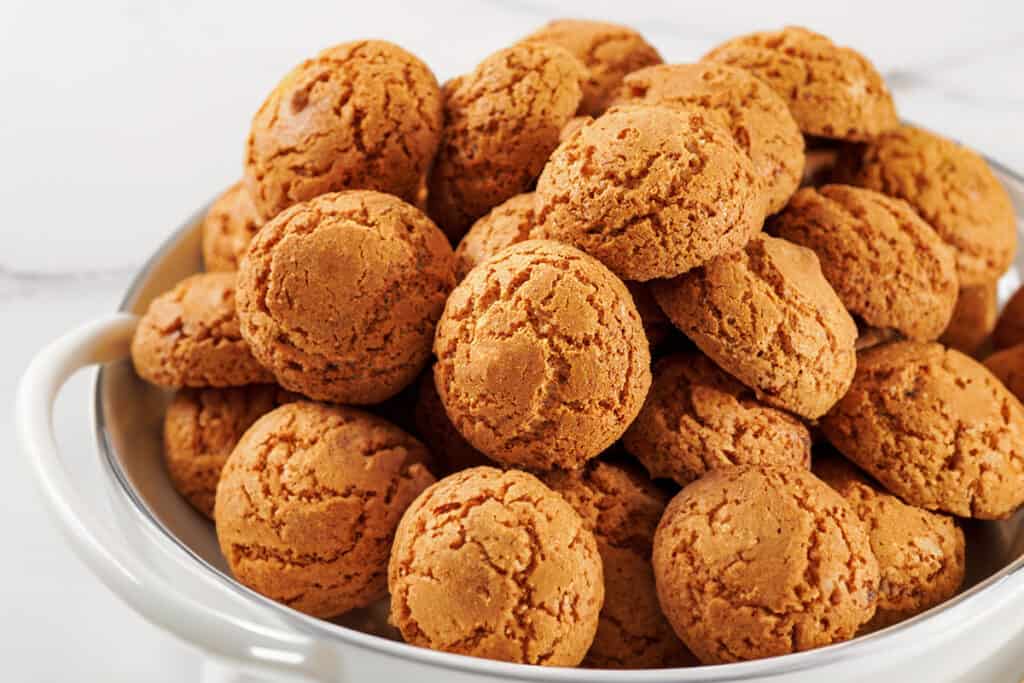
118	119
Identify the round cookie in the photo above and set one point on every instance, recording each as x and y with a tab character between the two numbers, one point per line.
501	122
920	553
542	360
651	192
308	504
832	91
361	115
756	115
768	316
974	318
608	51
189	337
935	428
202	427
755	562
451	451
1008	367
339	296
228	228
697	419
622	509
950	186
886	264
509	223
574	124
1009	328
494	564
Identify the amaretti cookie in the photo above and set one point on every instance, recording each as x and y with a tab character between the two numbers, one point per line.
952	188
651	191
622	509
361	115
657	326
339	296
756	115
697	418
542	360
886	264
509	223
495	564
832	91
974	318
768	316
1008	366
202	427
228	228
452	453
920	553
190	337
608	51
1009	328
501	122
935	428
756	562
308	504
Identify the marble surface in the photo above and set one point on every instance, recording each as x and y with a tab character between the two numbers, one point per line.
120	118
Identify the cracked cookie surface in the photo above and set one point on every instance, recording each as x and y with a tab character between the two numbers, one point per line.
228	228
495	564
511	222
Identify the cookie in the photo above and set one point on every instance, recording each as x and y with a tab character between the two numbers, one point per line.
308	504
950	186
756	115
755	562
1008	367
339	296
452	453
189	337
657	327
974	318
495	564
651	192
697	418
501	122
542	360
574	124
608	51
622	508
202	427
509	223
1009	328
361	115
887	265
228	228
832	91
768	317
920	553
935	428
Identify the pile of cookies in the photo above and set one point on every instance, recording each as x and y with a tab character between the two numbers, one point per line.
584	358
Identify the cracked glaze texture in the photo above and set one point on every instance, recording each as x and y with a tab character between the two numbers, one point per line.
228	228
339	295
935	428
756	562
495	564
309	501
542	358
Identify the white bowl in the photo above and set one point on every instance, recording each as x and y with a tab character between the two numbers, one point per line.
162	557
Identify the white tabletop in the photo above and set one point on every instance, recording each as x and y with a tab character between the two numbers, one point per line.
119	118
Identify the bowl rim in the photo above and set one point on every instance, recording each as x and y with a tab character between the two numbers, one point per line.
1010	576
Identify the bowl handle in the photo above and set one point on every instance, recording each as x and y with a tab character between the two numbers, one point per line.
244	642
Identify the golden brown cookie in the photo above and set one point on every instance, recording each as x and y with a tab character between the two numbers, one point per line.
935	428
494	564
202	427
886	264
501	122
833	91
509	223
768	317
756	562
1008	367
1009	328
650	191
697	418
608	51
920	553
228	228
974	318
952	188
756	115
574	124
622	508
542	360
657	326
189	337
308	504
452	453
360	115
339	295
